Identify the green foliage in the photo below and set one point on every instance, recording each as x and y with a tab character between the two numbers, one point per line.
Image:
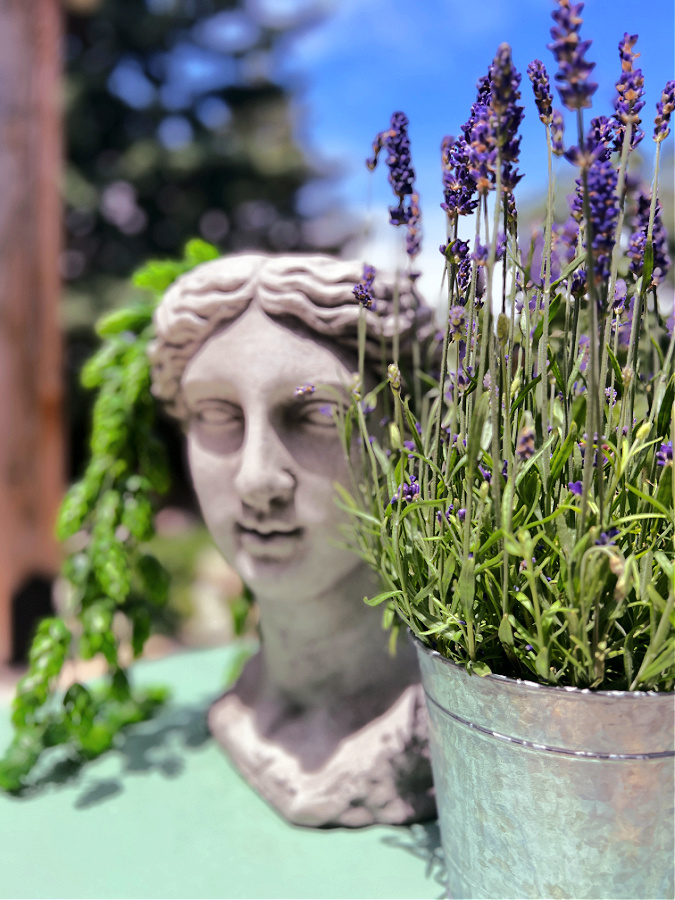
109	513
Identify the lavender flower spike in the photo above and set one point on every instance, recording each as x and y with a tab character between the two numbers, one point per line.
363	291
401	172
525	445
459	189
557	133
542	90
457	253
505	114
573	85
630	87
638	241
664	110
413	238
664	456
456	319
602	181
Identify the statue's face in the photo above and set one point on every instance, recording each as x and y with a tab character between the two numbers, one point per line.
263	461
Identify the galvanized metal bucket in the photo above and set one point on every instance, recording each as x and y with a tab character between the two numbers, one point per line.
548	792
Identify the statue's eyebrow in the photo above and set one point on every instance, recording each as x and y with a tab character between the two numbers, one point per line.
199	389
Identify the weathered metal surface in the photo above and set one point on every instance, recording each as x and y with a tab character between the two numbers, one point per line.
551	792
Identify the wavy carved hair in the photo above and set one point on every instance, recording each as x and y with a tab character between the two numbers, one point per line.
314	290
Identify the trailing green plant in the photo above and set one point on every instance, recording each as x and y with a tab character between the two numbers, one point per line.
519	507
108	517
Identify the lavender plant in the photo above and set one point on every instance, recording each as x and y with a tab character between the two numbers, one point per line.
519	507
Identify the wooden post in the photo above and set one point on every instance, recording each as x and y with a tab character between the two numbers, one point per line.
31	426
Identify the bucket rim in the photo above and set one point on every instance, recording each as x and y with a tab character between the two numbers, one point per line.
523	684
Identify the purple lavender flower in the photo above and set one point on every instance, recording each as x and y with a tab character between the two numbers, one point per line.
561	252
638	241
506	116
485	472
457	322
525	443
482	152
461	515
482	251
596	148
598	137
664	110
578	286
630	88
541	86
413	238
618	306
565	240
603	452
620	292
576	487
557	133
363	291
664	456
459	189
304	389
458	381
448	513
457	254
573	70
407	492
602	180
401	172
607	537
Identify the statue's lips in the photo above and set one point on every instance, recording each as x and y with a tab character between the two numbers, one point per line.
262	541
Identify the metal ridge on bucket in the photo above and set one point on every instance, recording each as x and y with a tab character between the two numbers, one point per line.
574	720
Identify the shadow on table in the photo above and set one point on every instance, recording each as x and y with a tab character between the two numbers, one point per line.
423	841
157	745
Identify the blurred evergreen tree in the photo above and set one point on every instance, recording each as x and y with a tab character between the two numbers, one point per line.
175	127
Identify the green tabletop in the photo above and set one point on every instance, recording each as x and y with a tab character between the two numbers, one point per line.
166	815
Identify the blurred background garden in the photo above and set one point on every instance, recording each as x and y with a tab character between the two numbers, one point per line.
246	123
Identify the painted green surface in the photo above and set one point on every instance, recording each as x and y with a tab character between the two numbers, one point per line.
165	815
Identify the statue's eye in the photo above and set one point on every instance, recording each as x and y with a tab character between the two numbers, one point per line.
217	414
318	413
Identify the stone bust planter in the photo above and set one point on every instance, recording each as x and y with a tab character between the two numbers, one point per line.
250	351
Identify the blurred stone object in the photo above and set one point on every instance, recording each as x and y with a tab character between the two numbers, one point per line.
253	354
31	440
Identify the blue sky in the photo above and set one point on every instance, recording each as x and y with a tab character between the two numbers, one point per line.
368	58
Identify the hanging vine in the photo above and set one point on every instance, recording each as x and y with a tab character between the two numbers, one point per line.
109	515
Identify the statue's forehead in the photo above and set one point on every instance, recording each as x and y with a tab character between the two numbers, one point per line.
263	351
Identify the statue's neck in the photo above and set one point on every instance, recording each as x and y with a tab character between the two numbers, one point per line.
327	651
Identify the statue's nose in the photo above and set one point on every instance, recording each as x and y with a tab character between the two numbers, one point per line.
266	469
